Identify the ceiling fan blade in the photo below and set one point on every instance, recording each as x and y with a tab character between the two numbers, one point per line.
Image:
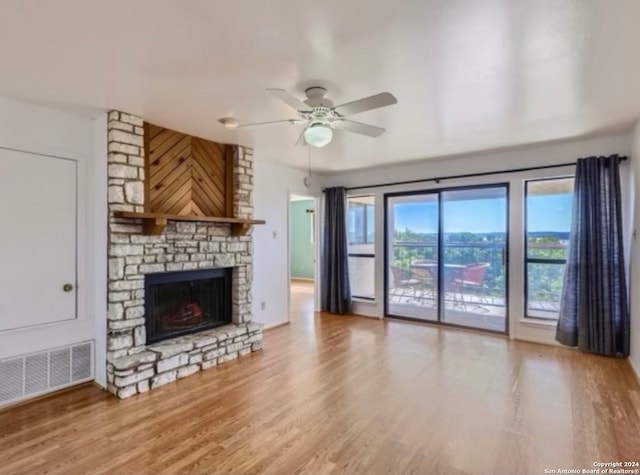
287	98
301	142
291	121
368	103
360	128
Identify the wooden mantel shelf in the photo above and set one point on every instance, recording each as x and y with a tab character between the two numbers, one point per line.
154	223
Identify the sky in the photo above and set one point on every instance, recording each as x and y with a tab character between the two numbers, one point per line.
545	213
549	213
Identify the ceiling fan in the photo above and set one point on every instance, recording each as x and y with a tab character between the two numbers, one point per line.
321	117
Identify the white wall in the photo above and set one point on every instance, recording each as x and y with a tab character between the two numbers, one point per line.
97	239
519	327
45	131
273	186
634	279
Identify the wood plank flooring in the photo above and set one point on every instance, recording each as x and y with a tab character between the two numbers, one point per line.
301	305
331	394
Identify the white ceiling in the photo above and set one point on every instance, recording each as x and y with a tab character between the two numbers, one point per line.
469	75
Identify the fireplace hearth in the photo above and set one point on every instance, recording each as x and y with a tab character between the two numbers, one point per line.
179	303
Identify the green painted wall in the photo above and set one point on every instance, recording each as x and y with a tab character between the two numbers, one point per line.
301	245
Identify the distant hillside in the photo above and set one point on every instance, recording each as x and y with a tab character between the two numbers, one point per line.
410	236
561	236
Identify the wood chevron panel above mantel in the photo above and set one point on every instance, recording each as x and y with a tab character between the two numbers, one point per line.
186	175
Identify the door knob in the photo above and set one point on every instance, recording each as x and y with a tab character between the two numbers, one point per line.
67	287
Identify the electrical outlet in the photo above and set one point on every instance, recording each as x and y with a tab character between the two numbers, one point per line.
263	305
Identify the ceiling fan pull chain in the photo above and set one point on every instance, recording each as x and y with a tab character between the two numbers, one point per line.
307	179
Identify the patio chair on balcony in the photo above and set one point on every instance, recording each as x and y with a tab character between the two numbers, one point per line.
404	285
470	282
426	272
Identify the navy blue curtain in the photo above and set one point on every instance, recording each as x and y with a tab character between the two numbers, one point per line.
594	311
336	291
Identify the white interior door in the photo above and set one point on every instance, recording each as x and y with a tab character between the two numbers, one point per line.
37	239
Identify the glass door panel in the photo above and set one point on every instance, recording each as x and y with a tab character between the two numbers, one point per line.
412	256
474	250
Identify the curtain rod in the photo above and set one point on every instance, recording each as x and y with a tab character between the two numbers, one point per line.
468	175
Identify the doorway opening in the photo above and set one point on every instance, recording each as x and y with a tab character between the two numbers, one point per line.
302	256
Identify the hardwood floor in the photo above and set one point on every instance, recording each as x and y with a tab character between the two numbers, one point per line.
331	394
301	299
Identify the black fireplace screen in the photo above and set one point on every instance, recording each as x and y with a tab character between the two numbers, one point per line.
178	303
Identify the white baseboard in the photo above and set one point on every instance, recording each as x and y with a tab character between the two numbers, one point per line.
373	317
634	370
366	308
540	341
275	325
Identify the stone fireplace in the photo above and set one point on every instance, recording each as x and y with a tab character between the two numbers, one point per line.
191	328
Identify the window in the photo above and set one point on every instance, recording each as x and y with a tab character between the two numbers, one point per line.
360	221
361	235
548	224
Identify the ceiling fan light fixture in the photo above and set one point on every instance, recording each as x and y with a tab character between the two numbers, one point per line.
318	135
229	122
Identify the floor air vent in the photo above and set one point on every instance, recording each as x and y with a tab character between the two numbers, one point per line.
38	373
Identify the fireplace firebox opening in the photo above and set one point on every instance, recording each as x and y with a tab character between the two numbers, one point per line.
179	303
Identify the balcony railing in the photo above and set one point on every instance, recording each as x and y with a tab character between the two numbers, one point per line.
544	281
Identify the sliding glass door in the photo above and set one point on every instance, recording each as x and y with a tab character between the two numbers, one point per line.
446	256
